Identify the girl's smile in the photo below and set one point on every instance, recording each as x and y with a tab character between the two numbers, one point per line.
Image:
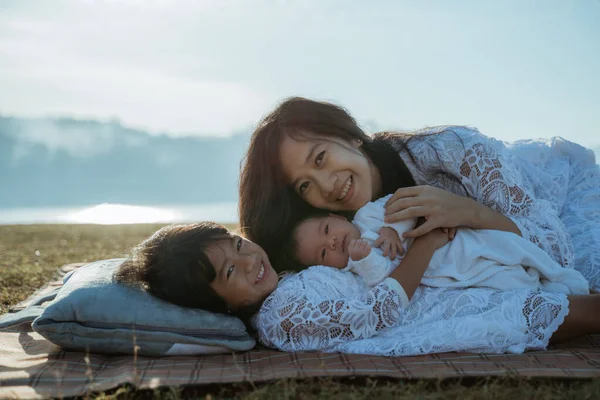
244	275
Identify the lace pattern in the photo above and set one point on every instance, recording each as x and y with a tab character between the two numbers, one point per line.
329	310
298	317
549	188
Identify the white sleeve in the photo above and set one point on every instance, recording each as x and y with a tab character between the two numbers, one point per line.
370	218
374	268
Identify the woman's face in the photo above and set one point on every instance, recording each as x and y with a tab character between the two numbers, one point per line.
332	174
244	275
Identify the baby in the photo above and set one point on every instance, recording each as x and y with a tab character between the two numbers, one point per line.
484	258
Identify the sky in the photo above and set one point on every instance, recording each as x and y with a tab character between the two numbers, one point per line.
514	69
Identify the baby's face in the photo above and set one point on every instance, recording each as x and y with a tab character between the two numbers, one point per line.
325	240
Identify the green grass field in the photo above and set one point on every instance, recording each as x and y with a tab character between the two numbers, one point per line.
31	254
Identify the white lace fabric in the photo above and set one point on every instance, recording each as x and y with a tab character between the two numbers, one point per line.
324	309
550	188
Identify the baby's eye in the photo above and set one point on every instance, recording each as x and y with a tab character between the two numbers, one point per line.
319	158
323	254
303	187
327	229
239	244
230	271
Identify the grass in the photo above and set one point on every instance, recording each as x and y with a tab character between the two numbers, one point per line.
31	254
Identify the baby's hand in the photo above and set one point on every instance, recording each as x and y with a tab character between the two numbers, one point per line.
389	242
358	249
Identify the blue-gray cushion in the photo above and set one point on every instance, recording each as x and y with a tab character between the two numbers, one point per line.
93	313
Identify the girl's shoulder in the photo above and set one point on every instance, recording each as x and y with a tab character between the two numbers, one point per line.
317	281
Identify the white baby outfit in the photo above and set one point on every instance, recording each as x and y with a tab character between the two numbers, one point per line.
474	258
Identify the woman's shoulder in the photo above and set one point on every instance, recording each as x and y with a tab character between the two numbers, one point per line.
448	132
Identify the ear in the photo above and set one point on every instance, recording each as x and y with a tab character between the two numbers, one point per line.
338	216
356	143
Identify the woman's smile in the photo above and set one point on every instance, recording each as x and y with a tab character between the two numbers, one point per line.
345	194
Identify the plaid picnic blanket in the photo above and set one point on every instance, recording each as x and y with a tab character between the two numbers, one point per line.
32	367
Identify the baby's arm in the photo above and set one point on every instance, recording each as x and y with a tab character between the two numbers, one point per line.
368	264
370	221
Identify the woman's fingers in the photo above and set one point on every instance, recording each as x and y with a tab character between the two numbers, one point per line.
452	233
402	204
411	212
410	191
420	230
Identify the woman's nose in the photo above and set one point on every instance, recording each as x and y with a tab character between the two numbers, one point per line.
326	182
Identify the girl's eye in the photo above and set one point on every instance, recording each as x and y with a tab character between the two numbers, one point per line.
239	244
303	187
230	271
319	158
323	254
327	229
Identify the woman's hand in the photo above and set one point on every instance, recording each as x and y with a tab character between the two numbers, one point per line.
450	231
440	208
437	238
389	242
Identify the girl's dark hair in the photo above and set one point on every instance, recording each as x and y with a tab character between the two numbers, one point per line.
268	207
172	264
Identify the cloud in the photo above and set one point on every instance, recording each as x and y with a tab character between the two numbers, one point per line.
114	63
78	138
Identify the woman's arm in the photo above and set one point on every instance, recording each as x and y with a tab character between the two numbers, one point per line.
411	269
488	172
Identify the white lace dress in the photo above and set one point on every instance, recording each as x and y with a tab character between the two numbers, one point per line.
326	309
550	188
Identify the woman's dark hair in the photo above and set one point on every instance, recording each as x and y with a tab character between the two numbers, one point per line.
268	207
172	264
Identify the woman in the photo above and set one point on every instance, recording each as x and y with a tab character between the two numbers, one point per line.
322	308
308	154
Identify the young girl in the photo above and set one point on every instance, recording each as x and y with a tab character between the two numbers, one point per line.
473	258
308	154
321	308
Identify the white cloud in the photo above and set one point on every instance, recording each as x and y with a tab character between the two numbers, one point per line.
91	66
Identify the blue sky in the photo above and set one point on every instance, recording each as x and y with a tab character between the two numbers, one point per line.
514	69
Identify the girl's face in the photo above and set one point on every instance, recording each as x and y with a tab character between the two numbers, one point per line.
332	174
244	275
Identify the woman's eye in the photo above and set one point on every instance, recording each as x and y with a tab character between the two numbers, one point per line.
327	229
239	244
230	271
303	187
323	254
319	158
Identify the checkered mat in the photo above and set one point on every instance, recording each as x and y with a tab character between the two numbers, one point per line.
31	367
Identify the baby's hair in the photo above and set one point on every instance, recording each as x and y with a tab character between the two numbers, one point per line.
172	264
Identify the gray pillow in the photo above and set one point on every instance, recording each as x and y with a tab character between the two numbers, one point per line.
93	313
